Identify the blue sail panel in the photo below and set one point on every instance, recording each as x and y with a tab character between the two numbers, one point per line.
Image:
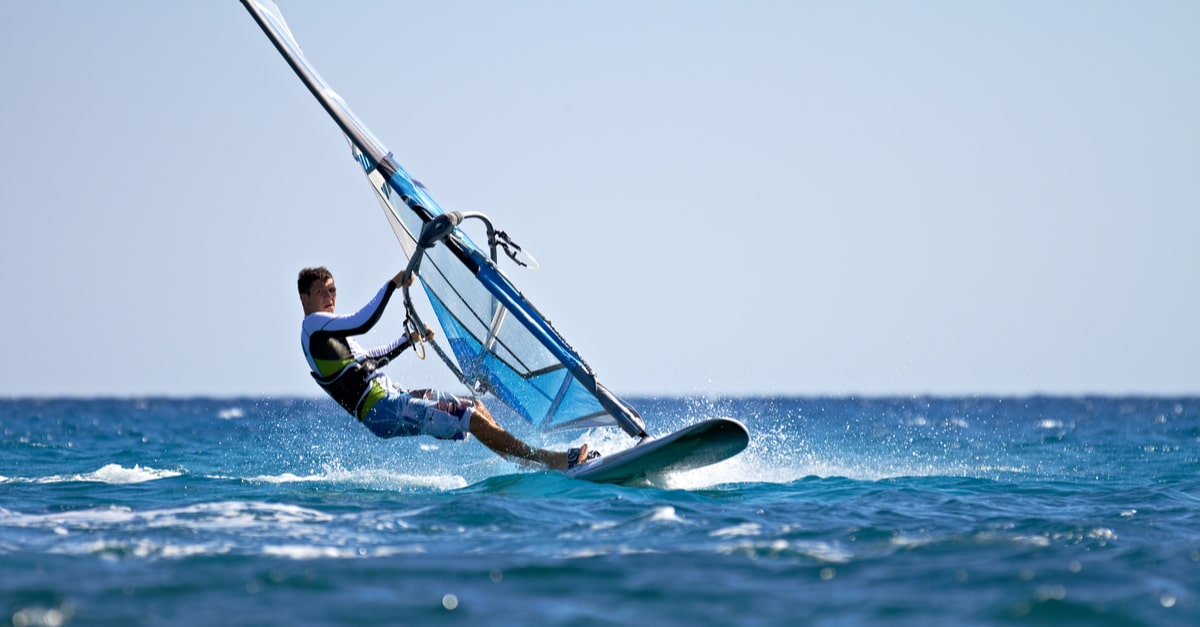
518	370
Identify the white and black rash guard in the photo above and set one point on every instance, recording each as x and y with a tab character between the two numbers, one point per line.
343	369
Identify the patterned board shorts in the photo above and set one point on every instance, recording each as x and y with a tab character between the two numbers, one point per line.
421	412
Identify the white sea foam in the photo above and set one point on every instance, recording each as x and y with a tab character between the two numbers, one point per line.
744	529
145	548
370	478
226	515
287	477
235	515
310	551
825	551
115	473
110	473
62	523
743	468
822	551
142	549
665	514
231	413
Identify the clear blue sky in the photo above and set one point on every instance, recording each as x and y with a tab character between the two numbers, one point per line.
725	197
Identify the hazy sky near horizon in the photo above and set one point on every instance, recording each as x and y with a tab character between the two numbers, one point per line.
726	198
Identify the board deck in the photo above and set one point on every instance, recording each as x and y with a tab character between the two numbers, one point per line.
694	446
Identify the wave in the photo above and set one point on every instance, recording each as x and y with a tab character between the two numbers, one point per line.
223	515
212	528
368	478
115	474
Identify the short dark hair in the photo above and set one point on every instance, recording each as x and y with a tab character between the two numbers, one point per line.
308	276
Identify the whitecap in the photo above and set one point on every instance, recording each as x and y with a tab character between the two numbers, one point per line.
231	413
141	549
234	514
665	514
382	479
779	548
113	474
908	542
307	552
825	552
744	529
117	474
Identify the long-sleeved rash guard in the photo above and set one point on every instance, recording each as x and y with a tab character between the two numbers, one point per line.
344	370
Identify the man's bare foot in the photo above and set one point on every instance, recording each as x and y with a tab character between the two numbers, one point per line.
581	455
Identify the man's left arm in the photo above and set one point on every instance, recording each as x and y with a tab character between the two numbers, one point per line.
393	350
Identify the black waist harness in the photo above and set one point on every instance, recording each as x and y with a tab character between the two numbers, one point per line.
347	386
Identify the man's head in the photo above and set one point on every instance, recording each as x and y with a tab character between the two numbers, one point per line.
317	291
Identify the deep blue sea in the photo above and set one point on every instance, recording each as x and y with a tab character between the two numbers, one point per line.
843	511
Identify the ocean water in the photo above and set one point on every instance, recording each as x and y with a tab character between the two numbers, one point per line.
843	511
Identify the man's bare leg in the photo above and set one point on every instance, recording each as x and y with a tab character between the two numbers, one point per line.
493	436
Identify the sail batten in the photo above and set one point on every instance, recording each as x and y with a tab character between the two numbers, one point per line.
500	343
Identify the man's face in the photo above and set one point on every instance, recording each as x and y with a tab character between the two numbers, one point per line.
321	296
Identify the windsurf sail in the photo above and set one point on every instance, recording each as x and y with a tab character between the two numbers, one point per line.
500	343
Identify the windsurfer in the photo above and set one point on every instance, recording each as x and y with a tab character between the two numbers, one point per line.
353	377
